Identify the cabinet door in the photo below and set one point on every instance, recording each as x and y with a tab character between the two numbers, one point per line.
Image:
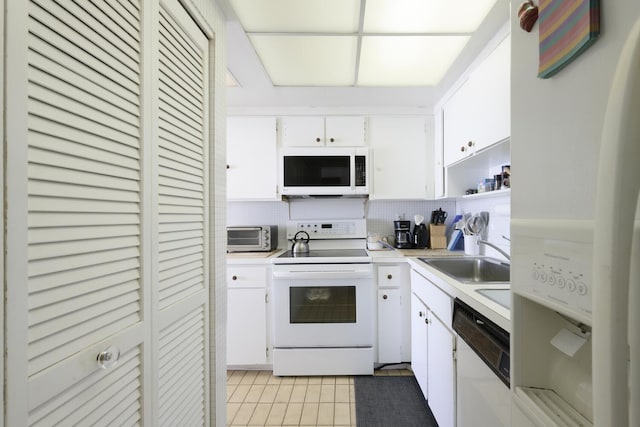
344	131
492	78
389	326
419	356
441	371
246	327
303	131
402	151
459	116
251	158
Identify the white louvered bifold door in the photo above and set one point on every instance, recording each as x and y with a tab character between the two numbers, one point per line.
182	299
75	283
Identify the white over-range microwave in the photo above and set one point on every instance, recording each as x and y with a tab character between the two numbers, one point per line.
311	171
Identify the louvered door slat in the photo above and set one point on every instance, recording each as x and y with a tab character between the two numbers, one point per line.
173	131
54	189
81	149
181	269
51	69
177	45
83	279
109	133
80	172
53	219
102	17
69	249
81	142
125	14
172	92
68	312
69	28
57	265
179	403
166	229
190	156
44	235
78	101
69	51
184	234
122	283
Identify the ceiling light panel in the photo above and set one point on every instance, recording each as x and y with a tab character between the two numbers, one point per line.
407	60
301	16
306	60
425	16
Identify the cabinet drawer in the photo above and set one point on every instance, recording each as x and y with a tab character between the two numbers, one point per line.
389	276
247	276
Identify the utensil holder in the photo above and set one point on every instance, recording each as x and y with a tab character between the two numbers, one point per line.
471	246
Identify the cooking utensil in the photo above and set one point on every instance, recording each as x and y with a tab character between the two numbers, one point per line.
300	246
475	224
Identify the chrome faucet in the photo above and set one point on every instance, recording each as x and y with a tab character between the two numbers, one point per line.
504	254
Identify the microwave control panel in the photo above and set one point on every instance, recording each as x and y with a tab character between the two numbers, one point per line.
554	268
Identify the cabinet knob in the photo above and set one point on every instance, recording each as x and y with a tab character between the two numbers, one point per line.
389	276
317	139
426	320
470	143
463	148
108	357
420	314
228	167
385	296
332	140
234	277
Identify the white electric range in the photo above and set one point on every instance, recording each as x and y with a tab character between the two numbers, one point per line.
324	302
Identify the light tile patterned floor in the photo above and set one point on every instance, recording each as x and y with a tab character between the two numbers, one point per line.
257	398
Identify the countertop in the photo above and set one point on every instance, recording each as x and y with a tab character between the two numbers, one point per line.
466	292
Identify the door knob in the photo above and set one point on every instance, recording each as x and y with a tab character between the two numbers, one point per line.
108	357
384	297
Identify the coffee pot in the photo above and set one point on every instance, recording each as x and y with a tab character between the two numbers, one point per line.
403	236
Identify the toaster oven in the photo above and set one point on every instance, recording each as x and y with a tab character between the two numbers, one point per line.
252	238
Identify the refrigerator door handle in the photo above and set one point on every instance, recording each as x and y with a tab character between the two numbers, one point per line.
618	187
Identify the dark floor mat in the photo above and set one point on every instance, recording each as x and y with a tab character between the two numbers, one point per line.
386	401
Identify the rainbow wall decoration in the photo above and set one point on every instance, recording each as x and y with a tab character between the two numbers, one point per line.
567	28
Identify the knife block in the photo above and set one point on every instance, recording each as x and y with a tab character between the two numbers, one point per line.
437	236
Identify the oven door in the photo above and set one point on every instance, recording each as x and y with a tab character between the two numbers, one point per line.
323	305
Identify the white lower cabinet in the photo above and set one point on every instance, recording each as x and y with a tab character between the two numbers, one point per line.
393	313
433	344
247	337
419	343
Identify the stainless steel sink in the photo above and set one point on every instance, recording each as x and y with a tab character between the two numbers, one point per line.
471	270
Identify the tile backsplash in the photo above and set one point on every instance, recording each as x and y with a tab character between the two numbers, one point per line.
380	214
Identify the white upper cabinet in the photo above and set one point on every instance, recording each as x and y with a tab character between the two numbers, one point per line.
478	113
251	158
402	164
319	131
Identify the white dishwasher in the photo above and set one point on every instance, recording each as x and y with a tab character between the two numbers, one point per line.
483	397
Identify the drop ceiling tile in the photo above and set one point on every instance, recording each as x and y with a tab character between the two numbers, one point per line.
407	60
422	16
306	60
298	15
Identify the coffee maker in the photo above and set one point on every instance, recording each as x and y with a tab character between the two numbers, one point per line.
403	234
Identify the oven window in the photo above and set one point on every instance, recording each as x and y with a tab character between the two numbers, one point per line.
318	304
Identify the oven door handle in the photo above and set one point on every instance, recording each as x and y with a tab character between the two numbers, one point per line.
323	274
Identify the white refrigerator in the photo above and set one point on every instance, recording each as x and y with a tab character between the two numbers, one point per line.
575	165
